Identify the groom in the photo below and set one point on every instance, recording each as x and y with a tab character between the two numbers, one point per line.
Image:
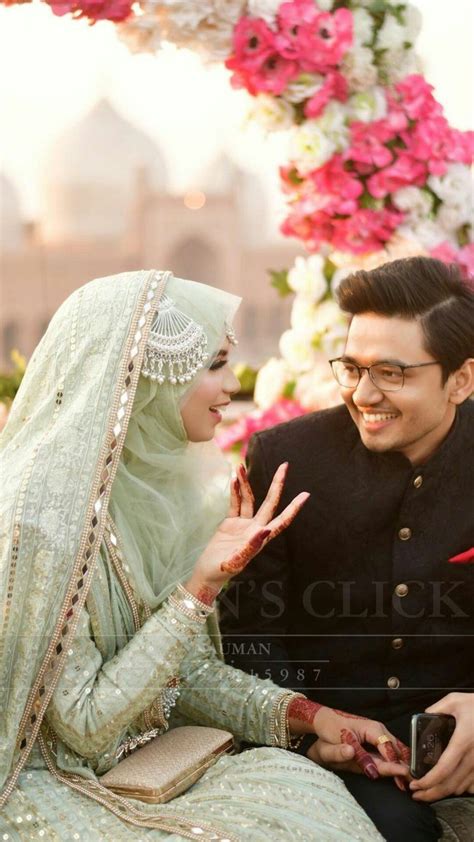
366	602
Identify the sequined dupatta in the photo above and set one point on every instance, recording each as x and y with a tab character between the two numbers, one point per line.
60	451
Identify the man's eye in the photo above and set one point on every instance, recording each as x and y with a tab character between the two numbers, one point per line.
349	368
390	373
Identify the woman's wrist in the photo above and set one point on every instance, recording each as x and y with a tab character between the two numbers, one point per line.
302	713
189	605
203	591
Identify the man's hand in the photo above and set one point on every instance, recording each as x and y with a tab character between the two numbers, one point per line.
454	771
340	758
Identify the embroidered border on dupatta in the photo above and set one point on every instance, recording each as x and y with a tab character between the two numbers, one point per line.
81	575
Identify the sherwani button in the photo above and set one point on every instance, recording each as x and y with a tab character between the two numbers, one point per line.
404	533
401	590
393	682
418	481
397	643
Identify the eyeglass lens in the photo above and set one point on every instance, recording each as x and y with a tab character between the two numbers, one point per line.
386	377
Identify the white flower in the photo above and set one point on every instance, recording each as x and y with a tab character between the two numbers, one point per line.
272	113
334	340
452	217
359	69
391	35
317	388
307	277
303	87
271	381
315	320
414	201
266	9
311	147
427	232
334	123
396	64
455	187
297	350
368	105
327	316
363	27
303	313
413	22
325	5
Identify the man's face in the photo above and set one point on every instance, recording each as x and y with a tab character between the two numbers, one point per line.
413	420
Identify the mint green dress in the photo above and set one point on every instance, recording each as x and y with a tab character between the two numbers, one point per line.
88	656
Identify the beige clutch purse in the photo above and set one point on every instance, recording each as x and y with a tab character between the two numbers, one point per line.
169	764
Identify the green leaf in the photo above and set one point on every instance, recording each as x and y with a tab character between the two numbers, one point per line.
246	376
329	269
463	235
279	280
289	390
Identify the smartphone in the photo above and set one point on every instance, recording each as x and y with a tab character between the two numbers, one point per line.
430	734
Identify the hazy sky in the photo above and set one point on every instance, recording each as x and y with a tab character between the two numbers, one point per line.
52	70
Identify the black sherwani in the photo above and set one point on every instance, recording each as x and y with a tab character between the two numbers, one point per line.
357	604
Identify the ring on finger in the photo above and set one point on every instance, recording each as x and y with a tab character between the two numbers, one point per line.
383	739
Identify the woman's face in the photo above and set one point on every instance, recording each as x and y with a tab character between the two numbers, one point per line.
202	411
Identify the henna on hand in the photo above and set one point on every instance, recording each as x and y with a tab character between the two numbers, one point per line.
405	753
361	757
240	559
290	516
235	499
303	710
207	594
245	482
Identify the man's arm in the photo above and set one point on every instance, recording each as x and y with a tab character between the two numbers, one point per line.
454	771
254	610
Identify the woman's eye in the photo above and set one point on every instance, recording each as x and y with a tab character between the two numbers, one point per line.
217	364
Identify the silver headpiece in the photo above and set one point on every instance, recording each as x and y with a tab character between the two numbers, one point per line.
176	347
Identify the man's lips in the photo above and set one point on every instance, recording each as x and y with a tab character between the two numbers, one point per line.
377	419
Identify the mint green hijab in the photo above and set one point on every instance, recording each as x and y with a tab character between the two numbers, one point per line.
83	403
169	494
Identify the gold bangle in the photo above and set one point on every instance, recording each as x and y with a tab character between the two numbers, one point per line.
280	725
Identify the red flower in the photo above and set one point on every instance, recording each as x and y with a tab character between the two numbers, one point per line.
335	87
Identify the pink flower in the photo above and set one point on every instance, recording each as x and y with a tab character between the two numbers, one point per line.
460	146
417	99
428	141
318	40
368	144
94	10
404	171
257	65
335	87
253	42
337	189
243	429
365	231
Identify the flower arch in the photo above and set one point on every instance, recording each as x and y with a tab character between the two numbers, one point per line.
374	170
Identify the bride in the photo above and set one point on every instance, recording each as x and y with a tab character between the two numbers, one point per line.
114	545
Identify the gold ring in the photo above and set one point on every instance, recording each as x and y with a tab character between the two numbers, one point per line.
383	739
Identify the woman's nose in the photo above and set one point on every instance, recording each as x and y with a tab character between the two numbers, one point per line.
232	383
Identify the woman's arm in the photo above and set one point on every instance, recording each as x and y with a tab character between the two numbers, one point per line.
95	701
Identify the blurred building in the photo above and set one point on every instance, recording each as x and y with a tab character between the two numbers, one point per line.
105	208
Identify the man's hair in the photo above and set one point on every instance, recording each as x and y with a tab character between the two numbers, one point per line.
418	288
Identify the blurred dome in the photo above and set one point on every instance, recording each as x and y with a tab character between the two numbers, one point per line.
91	176
11	224
222	177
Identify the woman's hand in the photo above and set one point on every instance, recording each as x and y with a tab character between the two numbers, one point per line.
339	730
242	534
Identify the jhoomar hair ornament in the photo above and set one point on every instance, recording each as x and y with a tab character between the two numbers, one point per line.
176	347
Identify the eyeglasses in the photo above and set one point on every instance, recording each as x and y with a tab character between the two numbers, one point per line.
387	377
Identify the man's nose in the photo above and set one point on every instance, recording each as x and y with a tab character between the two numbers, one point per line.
366	392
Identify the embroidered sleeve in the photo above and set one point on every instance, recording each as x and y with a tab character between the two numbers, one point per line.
96	700
216	694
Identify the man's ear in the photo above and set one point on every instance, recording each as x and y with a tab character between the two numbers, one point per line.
461	382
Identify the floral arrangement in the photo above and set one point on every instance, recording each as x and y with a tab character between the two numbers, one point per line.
375	171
